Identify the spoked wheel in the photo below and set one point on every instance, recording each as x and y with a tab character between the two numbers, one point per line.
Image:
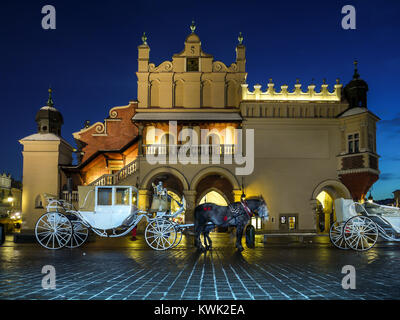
360	233
336	236
160	234
53	230
80	233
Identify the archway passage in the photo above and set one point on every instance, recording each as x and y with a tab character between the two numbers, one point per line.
214	182
325	195
216	187
325	212
175	190
214	197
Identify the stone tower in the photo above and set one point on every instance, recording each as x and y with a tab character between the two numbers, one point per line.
43	153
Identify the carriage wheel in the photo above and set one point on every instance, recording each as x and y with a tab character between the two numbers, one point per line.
53	230
360	233
80	233
336	236
160	234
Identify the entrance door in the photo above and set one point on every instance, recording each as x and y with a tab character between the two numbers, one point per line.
288	222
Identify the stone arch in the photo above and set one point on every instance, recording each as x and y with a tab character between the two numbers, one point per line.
203	193
214	170
164	170
334	188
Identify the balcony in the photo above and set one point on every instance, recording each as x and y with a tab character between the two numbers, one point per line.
196	150
358	162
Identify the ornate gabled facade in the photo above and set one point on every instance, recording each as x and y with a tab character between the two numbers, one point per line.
310	146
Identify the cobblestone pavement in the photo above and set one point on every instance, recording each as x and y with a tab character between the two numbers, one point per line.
122	269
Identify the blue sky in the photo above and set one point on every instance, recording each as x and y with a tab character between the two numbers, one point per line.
91	58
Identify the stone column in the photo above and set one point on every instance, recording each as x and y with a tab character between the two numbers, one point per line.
140	144
190	197
144	196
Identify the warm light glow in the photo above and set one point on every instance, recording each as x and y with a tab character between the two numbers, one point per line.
213	197
10	199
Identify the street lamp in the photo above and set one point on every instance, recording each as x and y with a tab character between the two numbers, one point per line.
10	197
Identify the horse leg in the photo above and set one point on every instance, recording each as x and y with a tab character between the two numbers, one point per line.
239	234
207	240
198	244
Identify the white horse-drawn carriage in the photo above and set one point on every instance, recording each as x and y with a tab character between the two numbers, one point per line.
108	211
358	226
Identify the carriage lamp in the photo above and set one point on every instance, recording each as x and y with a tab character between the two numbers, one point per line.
10	197
370	199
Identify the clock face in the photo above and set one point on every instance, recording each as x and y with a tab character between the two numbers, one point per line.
192	64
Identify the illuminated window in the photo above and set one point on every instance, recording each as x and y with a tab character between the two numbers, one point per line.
122	196
256	222
104	197
353	143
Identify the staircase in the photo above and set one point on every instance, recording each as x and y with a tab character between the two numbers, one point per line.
114	179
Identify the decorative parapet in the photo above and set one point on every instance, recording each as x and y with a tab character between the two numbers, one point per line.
297	94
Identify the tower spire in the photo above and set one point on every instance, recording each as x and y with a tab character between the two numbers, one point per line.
240	38
144	38
193	26
50	102
356	74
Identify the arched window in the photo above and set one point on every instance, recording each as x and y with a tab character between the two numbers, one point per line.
38	202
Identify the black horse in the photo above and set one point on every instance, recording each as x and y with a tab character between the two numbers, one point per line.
208	215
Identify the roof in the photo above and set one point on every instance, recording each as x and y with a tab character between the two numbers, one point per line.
353	111
44	137
204	116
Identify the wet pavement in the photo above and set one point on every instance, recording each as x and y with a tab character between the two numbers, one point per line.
122	269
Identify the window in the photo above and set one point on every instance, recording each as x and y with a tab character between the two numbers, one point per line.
192	64
353	143
256	222
38	202
122	196
104	197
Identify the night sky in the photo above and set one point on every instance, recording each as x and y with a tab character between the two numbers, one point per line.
90	60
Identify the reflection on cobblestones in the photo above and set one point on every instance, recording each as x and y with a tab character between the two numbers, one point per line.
109	269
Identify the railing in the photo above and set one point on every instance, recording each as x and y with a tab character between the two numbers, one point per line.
113	179
67	196
206	149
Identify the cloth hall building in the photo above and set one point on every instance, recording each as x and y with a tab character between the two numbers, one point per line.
311	145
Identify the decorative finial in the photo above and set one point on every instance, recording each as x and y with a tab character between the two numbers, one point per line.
356	75
270	80
240	38
324	80
144	38
50	102
337	80
193	26
312	81
297	81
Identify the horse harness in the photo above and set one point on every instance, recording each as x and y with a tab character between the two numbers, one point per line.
237	212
